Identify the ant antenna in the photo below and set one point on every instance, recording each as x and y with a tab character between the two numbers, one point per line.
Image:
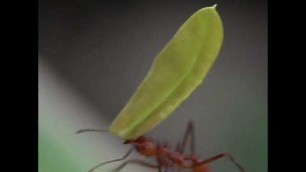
90	130
120	159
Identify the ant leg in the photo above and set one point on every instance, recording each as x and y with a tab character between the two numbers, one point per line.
120	159
138	162
223	155
189	132
159	162
177	147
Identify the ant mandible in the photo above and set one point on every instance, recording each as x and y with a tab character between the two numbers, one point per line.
165	157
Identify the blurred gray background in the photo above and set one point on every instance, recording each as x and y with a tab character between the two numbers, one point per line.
103	49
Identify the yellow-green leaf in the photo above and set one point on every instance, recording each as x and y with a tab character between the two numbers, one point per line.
175	73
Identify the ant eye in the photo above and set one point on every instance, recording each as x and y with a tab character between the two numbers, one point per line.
127	142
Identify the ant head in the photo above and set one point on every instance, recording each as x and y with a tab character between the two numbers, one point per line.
140	139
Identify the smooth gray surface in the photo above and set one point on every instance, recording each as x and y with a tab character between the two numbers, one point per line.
103	49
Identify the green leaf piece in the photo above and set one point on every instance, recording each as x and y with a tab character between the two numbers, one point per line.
175	73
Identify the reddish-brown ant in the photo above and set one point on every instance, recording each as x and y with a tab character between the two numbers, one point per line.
165	157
